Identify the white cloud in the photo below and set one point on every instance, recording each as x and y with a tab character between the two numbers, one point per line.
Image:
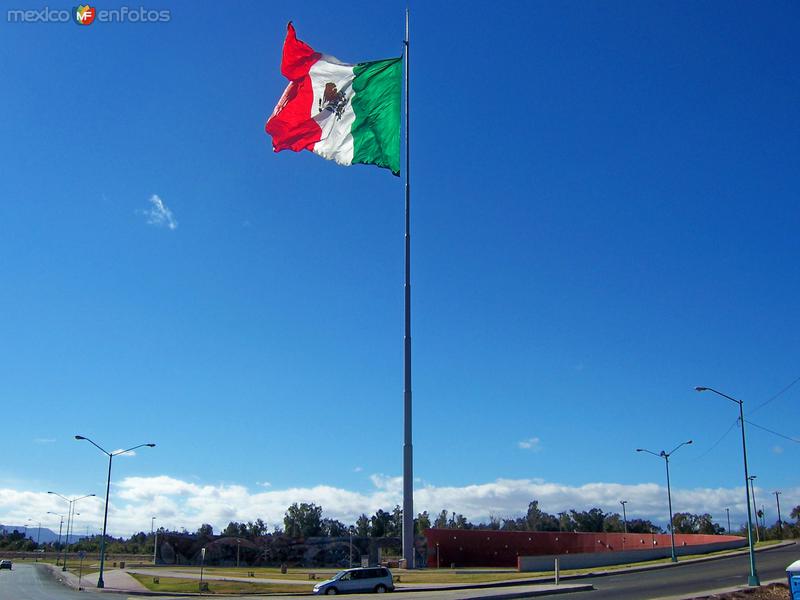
777	449
358	469
122	452
159	214
534	444
184	504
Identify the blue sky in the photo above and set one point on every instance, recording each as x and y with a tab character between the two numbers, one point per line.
604	216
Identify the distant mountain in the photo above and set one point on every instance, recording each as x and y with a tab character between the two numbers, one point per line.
45	537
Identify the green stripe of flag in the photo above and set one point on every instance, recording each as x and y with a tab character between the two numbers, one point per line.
376	103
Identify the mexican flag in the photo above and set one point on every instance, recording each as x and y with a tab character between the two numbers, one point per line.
346	113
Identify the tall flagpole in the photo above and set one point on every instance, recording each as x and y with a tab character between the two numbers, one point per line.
408	451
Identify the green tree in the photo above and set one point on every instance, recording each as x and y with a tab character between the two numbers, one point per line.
691	523
362	526
422	522
380	524
534	516
566	522
795	513
333	528
395	528
441	520
458	521
513	524
204	532
235	529
613	523
256	529
538	520
589	520
303	520
643	526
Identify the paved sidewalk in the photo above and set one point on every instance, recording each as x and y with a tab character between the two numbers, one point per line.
114	579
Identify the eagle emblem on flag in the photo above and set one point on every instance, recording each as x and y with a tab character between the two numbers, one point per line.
333	100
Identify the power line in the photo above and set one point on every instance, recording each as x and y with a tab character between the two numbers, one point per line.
722	437
763	404
786	437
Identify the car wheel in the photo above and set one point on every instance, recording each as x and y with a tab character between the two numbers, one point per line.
332	591
380	589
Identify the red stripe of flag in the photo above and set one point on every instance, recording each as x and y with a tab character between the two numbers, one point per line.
291	125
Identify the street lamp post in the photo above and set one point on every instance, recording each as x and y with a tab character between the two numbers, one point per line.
60	525
665	455
111	455
70	514
624	517
38	533
350	530
728	512
154	532
752	580
780	523
752	478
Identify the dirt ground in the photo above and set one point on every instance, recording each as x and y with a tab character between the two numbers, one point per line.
776	591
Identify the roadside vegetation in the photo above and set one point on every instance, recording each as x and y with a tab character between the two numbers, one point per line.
183	585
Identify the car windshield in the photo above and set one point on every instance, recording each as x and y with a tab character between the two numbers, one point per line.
339	575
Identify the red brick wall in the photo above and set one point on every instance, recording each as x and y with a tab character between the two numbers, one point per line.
488	548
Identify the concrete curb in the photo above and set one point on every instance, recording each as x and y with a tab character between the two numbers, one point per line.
64	577
568	589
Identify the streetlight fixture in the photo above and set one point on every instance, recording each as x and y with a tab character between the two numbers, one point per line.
665	455
752	580
624	517
111	455
70	514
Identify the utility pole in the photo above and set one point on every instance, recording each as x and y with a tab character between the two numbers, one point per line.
753	494
665	455
780	523
624	516
753	579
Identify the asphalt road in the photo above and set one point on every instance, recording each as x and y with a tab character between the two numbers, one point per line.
26	582
686	580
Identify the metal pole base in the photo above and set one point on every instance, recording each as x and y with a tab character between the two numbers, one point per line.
753	581
674	559
100	583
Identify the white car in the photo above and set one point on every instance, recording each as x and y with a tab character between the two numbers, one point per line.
369	579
